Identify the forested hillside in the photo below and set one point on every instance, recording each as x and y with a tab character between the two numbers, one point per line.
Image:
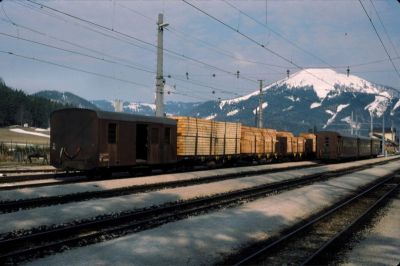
16	107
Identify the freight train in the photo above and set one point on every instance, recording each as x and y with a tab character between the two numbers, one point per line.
90	140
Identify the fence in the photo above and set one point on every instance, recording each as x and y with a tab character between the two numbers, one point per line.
20	152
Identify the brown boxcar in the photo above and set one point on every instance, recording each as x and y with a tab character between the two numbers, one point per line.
335	146
83	139
310	144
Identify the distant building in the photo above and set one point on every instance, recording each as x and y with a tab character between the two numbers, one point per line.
118	106
390	134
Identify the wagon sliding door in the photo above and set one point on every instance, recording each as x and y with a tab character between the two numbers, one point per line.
141	143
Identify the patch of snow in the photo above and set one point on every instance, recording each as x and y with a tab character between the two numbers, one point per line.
42	129
378	106
315	105
137	106
245	97
329	112
19	130
263	106
396	106
231	113
291	97
341	107
210	117
338	110
287	109
347	119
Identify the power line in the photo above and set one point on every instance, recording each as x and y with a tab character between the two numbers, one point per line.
71	43
139	40
77	53
384	28
277	33
254	41
380	39
73	68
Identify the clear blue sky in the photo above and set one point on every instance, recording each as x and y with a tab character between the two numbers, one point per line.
316	33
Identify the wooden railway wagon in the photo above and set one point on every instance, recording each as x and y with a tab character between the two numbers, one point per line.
310	144
207	139
298	147
83	139
258	142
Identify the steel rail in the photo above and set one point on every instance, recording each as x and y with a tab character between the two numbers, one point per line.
313	259
10	206
114	223
248	259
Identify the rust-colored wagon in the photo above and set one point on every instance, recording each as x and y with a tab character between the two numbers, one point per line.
83	139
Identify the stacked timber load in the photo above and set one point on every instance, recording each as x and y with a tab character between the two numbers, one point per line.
248	140
298	145
284	143
232	137
260	141
311	142
201	137
269	140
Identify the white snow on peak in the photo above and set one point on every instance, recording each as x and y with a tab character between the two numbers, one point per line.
136	106
231	113
324	80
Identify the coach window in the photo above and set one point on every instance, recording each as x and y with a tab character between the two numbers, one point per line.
167	135
154	136
112	133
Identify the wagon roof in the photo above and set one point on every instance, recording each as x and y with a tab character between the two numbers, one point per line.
124	116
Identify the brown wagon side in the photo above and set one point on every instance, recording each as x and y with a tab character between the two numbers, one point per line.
83	139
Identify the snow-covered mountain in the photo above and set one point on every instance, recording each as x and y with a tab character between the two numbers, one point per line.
171	108
312	98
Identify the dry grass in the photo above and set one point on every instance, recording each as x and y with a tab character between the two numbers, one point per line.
6	136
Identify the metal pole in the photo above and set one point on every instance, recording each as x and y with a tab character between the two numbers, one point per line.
160	78
383	135
351	123
260	112
356	125
371	133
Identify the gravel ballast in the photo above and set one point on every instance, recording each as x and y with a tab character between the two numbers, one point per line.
381	245
64	189
66	213
206	239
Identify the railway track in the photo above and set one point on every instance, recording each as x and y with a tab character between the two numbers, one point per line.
316	241
10	206
42	241
51	179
